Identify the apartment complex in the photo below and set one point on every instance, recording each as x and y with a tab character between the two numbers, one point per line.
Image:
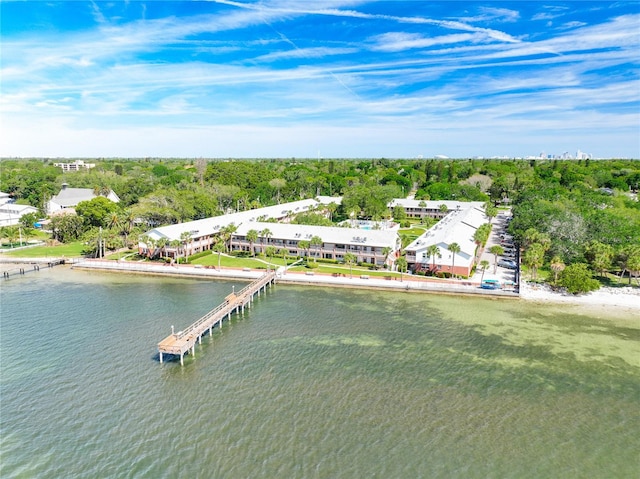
378	244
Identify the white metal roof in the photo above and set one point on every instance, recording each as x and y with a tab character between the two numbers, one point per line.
213	225
459	227
435	204
328	234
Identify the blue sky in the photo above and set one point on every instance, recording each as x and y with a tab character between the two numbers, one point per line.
322	78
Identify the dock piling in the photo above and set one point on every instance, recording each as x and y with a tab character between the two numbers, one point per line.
184	341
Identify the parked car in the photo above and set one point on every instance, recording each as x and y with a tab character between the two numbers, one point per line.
490	284
507	263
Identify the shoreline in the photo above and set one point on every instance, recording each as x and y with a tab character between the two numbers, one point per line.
623	298
357	281
627	298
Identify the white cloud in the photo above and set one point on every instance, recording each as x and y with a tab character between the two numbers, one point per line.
399	41
458	86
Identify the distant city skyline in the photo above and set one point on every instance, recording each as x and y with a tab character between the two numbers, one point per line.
322	79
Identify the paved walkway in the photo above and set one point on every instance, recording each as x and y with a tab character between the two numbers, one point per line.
408	283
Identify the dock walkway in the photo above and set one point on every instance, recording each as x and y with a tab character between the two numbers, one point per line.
182	342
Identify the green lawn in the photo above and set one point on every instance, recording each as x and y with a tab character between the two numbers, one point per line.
413	231
234	262
343	269
68	250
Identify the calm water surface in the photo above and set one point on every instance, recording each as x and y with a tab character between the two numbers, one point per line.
317	383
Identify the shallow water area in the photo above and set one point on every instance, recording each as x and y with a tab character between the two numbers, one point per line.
310	382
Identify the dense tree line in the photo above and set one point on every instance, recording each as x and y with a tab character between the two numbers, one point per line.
566	211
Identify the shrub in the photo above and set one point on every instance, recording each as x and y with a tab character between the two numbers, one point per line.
202	254
578	279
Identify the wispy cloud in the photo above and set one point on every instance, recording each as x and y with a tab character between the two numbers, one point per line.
325	68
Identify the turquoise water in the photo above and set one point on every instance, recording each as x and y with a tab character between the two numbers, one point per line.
309	383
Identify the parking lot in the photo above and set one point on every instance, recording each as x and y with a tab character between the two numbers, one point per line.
506	271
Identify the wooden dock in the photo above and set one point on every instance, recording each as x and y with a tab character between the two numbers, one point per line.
182	342
34	265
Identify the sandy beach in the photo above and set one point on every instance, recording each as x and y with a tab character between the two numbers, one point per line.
624	297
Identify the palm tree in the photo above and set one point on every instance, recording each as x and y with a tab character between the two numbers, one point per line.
350	259
401	264
219	247
3	232
491	212
386	251
455	249
252	236
484	264
11	233
532	236
496	250
304	245
534	258
151	247
175	244
481	235
271	252
557	266
629	259
433	251
126	224
162	244
227	233
316	241
284	252
331	208
265	234
185	237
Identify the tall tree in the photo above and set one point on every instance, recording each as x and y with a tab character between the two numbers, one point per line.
481	236
304	245
491	212
271	251
252	236
283	252
227	233
219	247
629	260
455	249
484	264
162	246
11	233
265	235
278	184
557	266
433	251
599	255
185	239
386	251
97	211
317	242
401	264
350	259
534	258
496	250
